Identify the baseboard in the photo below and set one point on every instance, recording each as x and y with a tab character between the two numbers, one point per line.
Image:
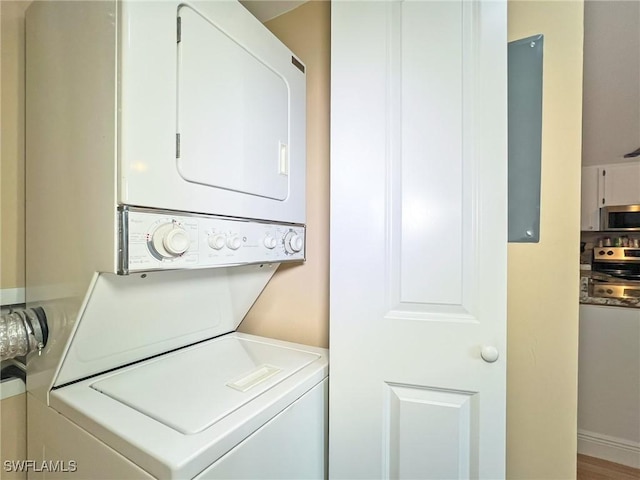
11	296
609	448
11	387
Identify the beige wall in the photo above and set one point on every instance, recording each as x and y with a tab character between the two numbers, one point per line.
543	277
13	435
13	444
12	150
295	304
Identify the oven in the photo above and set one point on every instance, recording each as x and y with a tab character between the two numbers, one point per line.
616	272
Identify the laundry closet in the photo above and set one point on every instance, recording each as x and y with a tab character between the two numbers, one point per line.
166	162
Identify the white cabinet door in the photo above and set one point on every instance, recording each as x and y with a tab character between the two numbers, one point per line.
621	184
590	200
418	240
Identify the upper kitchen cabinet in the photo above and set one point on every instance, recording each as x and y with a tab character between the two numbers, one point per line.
620	184
611	102
607	185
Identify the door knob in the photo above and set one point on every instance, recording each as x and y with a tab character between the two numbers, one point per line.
489	354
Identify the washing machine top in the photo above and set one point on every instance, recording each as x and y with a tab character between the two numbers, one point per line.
175	415
214	379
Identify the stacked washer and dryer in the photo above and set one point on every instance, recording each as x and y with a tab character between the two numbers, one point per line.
165	184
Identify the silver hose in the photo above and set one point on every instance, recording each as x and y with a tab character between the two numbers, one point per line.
22	331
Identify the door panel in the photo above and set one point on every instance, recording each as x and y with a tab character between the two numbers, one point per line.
419	110
233	113
432	433
430	180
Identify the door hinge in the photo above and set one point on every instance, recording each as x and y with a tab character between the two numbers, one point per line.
179	29
177	145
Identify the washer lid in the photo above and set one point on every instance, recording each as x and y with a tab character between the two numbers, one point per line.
126	319
210	380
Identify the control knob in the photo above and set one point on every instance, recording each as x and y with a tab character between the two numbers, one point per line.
293	242
170	240
234	242
217	241
270	242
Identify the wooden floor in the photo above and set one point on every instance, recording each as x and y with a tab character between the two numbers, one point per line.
590	468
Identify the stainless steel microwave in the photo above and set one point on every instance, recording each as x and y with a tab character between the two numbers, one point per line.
620	217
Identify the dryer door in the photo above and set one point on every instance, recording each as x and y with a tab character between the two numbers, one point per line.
211	113
233	113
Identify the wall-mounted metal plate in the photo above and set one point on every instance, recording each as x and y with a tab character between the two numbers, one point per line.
525	137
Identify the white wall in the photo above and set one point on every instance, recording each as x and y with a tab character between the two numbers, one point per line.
611	121
609	363
609	384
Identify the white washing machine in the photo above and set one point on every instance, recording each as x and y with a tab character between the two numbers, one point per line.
165	184
229	406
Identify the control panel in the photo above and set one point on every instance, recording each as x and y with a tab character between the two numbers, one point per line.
616	254
153	240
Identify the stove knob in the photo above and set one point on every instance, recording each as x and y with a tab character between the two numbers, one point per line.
270	242
293	243
610	252
217	241
609	291
234	242
601	252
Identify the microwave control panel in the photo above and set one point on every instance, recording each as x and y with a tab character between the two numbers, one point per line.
156	240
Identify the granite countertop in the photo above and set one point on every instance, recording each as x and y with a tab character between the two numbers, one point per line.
585	275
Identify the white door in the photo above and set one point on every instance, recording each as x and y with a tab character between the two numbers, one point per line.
418	240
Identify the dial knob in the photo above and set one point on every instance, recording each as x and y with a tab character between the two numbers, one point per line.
234	242
293	242
217	241
169	240
270	242
176	242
